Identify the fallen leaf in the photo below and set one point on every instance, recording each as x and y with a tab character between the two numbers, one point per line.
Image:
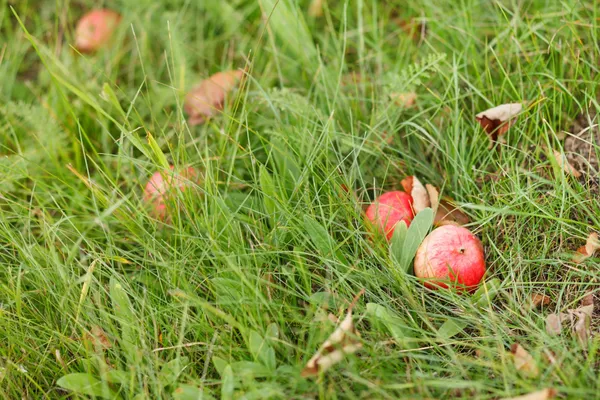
524	362
434	196
496	121
209	96
582	327
584	319
404	100
446	213
554	323
98	337
588	300
449	214
562	162
344	340
315	9
407	184
538	299
591	246
419	195
544	394
579	320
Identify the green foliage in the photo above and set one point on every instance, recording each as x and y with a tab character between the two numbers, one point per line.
231	295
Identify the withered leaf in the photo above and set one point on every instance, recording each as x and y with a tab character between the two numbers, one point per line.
419	195
564	164
449	214
404	100
204	100
344	340
554	323
98	337
446	212
538	299
524	362
579	320
584	319
544	394
407	184
434	196
588	300
591	246
497	120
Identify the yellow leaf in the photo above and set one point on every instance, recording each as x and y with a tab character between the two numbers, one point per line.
524	362
420	196
591	246
562	162
344	340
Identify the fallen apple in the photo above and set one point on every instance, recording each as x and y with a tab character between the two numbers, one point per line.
162	185
94	29
389	209
450	256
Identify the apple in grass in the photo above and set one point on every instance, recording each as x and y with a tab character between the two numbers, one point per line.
389	209
450	256
162	187
95	29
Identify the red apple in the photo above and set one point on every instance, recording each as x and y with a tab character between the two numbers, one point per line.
389	209
450	256
94	29
162	185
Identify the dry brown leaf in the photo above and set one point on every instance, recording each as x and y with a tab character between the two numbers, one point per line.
579	320
562	162
407	184
554	323
582	327
538	299
446	213
524	362
588	300
497	120
315	9
404	100
544	394
449	214
419	195
98	337
204	100
434	196
591	246
344	340
584	319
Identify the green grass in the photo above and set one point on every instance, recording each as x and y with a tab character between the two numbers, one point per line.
228	299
